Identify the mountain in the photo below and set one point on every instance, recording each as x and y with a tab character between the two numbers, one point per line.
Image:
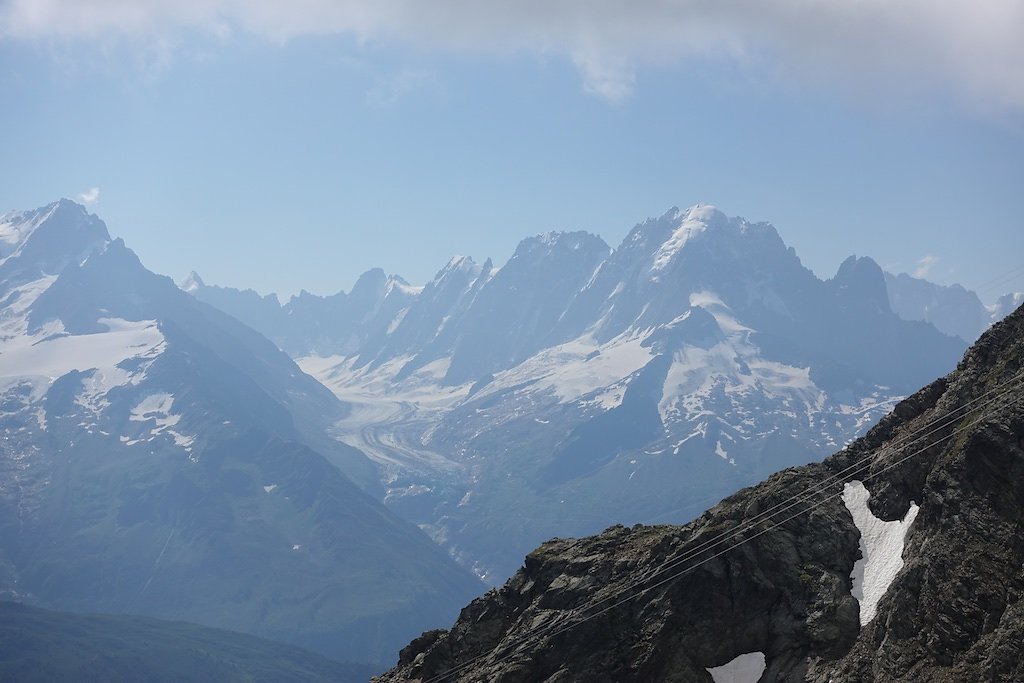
899	558
1006	305
310	324
579	385
951	309
41	646
161	458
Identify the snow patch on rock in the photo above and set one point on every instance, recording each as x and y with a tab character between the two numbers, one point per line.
720	451
157	407
746	668
881	548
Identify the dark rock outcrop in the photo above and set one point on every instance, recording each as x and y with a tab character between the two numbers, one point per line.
769	569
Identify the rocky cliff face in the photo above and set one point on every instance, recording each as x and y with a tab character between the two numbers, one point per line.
780	580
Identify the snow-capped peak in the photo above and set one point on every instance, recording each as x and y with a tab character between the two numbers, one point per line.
1005	305
692	222
560	242
458	262
397	283
458	265
702	212
17	226
192	284
45	240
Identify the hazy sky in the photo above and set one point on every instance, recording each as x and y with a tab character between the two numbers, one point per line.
294	145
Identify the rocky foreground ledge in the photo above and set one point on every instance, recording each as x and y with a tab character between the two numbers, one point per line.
778	582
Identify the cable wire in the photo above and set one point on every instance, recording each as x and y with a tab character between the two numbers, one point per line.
690	553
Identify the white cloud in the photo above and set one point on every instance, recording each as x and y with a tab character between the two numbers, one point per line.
924	266
90	196
613	82
974	50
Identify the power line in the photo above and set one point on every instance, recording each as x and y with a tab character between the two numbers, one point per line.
784	506
588	617
772	527
795	499
999	280
790	502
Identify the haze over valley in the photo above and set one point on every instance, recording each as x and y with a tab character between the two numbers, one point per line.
525	342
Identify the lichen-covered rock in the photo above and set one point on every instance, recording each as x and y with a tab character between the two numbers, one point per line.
769	569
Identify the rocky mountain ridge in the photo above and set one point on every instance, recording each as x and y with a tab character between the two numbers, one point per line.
952	309
587	385
793	579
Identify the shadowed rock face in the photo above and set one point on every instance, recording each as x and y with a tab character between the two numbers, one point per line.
667	603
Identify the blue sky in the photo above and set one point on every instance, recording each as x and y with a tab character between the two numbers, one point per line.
295	148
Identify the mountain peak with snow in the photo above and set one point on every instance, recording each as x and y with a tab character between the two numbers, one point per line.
44	241
1006	305
668	238
192	283
556	247
562	239
17	226
700	212
575	367
132	412
691	223
458	264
